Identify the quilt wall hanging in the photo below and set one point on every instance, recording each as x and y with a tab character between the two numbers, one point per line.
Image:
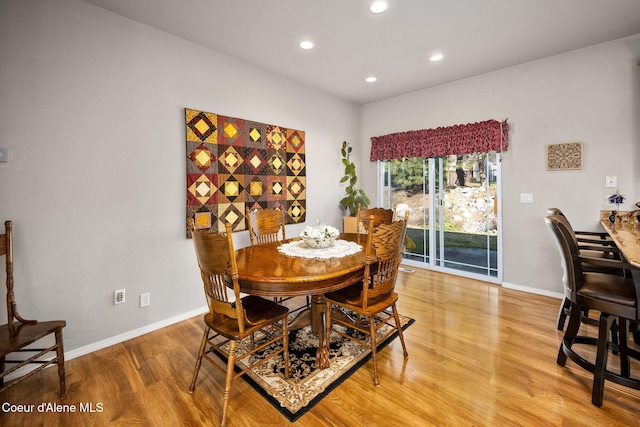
233	164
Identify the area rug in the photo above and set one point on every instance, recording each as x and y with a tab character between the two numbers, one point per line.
307	385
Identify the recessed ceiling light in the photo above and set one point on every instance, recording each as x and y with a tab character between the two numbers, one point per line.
371	79
436	57
378	6
306	44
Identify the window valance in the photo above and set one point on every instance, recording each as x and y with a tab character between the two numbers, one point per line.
490	135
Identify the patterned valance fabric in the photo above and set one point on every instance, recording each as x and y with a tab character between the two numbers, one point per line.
490	135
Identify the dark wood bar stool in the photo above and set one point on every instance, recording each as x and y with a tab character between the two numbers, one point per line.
614	296
591	244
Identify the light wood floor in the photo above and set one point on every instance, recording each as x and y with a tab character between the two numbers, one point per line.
478	355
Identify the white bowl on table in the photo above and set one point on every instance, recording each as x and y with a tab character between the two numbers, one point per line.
319	236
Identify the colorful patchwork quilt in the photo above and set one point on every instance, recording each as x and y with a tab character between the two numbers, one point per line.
236	163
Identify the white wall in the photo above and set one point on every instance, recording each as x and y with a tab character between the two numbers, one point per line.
92	109
590	95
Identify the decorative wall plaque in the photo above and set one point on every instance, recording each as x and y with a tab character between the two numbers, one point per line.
564	156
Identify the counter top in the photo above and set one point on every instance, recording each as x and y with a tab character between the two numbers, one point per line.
625	232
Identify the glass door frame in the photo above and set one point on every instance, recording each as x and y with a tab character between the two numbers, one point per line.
431	263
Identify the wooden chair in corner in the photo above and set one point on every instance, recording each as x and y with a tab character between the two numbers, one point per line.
373	297
232	317
19	333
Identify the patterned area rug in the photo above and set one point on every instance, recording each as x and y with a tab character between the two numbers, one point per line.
307	385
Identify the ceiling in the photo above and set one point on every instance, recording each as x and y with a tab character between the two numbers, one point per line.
351	43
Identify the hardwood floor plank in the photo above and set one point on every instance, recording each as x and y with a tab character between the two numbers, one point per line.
478	355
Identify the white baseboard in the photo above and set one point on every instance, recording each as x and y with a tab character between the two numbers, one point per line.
532	290
68	355
132	334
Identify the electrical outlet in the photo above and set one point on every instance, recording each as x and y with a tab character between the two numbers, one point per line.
119	296
145	299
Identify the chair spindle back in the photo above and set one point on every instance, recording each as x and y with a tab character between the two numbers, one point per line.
219	272
383	254
6	249
380	216
265	225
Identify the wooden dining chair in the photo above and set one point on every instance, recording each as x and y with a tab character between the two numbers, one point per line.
614	296
380	216
372	298
19	333
265	225
591	244
232	319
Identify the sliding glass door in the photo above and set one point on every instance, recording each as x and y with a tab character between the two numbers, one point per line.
466	214
406	186
454	216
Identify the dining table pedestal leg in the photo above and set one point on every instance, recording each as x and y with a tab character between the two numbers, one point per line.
318	325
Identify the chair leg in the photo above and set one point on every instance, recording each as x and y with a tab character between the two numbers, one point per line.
625	369
597	393
614	337
374	350
634	328
285	343
231	361
570	334
60	357
2	359
203	345
562	313
327	322
399	328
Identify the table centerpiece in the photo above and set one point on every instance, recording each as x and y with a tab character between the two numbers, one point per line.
319	236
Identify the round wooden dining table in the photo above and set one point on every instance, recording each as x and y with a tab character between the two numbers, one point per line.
264	271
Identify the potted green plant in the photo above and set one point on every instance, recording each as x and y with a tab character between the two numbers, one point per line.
353	195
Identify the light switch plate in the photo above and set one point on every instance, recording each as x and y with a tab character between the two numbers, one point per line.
611	181
4	154
526	197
